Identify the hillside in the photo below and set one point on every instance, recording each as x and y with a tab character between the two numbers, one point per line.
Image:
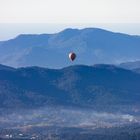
98	87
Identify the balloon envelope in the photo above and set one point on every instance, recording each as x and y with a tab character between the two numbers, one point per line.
72	56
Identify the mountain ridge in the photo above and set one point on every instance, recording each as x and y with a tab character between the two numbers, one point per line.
131	65
68	29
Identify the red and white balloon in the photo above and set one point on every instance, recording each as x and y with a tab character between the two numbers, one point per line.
72	56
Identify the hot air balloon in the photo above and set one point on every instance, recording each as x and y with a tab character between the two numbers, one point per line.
72	56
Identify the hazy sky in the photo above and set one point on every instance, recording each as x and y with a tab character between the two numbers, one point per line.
71	13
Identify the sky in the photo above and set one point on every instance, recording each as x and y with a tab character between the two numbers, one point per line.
27	16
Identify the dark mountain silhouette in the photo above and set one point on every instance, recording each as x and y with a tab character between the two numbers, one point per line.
92	45
99	86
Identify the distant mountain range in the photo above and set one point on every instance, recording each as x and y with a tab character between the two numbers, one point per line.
98	86
131	65
92	45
